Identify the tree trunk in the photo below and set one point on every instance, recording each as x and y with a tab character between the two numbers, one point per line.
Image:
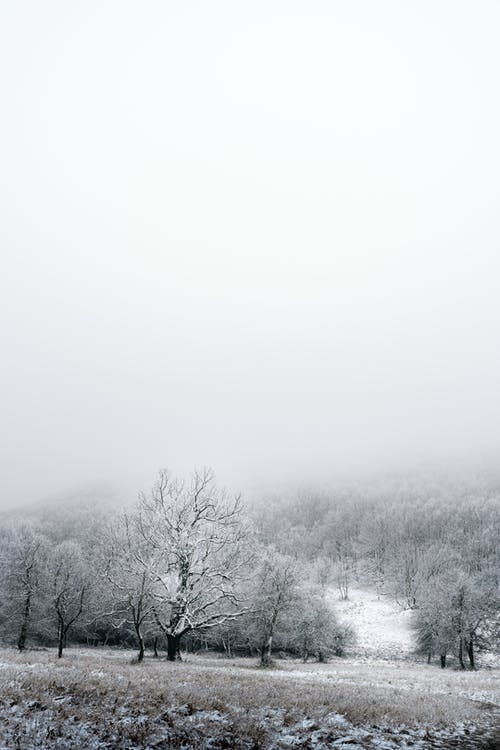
443	660
470	653
140	642
461	652
266	652
173	644
60	641
21	642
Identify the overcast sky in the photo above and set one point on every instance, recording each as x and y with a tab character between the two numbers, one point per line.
261	236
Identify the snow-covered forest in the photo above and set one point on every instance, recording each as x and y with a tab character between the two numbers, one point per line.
190	566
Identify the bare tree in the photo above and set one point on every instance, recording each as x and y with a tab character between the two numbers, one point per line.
23	554
194	535
314	630
69	580
128	569
277	592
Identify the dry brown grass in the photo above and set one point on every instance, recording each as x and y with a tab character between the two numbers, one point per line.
100	699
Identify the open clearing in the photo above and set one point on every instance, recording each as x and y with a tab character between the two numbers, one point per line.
383	629
100	699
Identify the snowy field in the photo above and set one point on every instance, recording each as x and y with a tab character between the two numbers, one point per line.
100	699
381	696
383	628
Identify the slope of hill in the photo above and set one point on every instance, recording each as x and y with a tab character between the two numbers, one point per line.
382	628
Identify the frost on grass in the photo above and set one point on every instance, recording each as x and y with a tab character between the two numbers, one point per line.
98	699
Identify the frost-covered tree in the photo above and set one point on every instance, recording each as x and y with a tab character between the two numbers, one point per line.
276	593
455	616
471	606
68	584
130	574
23	556
194	536
433	621
314	631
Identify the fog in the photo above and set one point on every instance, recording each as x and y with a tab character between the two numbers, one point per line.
257	236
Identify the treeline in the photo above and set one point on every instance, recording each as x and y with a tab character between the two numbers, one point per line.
432	546
184	566
189	566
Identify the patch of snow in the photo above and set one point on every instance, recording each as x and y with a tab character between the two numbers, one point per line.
337	720
382	629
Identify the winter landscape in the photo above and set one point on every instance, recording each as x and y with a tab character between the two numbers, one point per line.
98	699
249	374
371	620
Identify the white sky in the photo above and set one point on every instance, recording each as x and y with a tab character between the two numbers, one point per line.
261	236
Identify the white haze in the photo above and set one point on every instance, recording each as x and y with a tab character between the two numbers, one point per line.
261	236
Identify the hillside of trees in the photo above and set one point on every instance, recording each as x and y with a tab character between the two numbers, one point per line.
190	566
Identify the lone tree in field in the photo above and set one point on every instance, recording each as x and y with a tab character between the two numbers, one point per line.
194	534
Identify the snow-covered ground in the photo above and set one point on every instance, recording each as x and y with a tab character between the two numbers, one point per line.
383	630
98	699
380	696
